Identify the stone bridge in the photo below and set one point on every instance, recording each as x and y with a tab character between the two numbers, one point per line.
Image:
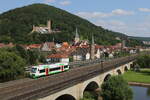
75	92
69	85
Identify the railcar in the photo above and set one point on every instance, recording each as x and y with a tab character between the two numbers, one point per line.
48	69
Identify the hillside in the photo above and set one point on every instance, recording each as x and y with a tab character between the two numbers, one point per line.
16	25
142	38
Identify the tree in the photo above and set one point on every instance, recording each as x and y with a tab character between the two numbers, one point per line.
22	52
11	66
33	56
116	88
143	61
88	96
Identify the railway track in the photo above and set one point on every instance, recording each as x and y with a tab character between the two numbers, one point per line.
30	90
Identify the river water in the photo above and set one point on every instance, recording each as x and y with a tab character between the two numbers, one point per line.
141	93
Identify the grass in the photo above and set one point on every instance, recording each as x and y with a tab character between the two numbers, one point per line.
142	77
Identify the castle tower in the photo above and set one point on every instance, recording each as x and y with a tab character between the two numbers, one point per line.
92	49
34	28
77	39
49	23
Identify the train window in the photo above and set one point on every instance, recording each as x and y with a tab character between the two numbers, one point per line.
33	70
53	69
42	71
66	66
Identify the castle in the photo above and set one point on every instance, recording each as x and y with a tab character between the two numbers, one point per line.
45	30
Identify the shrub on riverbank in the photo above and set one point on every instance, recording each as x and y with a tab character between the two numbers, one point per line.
144	61
88	96
116	88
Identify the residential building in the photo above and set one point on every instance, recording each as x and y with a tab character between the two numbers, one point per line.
47	46
58	57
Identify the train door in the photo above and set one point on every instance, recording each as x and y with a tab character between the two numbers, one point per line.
62	68
46	70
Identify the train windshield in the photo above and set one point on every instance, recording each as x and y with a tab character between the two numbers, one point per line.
33	70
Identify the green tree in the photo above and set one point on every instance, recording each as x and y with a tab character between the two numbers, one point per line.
33	56
22	52
116	88
88	96
11	66
6	39
144	61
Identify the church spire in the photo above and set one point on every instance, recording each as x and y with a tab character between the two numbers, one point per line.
77	35
93	40
92	48
77	39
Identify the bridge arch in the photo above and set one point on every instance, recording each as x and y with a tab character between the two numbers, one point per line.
65	97
126	68
119	72
107	77
92	86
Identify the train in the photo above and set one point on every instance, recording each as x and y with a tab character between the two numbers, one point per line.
48	69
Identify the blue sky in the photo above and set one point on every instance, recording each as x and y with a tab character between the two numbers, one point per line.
131	17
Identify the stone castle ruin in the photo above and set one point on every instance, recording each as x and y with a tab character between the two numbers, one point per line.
45	30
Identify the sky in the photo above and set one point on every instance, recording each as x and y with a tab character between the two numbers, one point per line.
131	17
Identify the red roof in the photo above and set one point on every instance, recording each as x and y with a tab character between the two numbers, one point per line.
34	46
99	46
2	45
58	55
6	45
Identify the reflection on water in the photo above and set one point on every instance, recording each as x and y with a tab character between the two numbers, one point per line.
141	93
148	91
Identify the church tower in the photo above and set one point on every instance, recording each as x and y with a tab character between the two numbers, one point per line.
49	26
77	39
93	48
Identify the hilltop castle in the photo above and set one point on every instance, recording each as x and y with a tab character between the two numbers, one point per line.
45	30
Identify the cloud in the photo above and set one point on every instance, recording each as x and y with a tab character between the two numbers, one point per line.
115	25
117	12
92	14
65	3
49	1
141	28
144	9
122	12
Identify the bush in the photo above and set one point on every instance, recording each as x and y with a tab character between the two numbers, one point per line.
116	88
88	96
11	66
143	61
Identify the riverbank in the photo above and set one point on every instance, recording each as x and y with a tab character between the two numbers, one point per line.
138	78
139	84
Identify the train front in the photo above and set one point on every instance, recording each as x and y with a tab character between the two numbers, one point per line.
34	72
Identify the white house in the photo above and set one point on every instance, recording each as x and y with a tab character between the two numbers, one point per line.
57	58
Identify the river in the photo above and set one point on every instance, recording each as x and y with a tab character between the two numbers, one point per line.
141	93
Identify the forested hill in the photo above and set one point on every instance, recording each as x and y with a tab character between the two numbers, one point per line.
141	38
16	26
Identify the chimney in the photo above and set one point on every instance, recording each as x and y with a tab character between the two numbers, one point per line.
49	26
